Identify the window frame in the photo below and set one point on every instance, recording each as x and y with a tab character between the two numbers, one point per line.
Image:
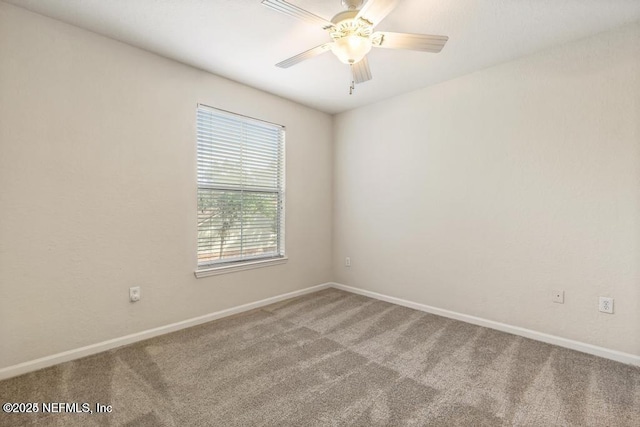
251	261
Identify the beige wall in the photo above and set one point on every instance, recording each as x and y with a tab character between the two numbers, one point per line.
483	194
97	190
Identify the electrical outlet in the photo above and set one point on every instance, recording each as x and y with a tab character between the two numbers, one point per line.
558	296
605	305
347	262
134	294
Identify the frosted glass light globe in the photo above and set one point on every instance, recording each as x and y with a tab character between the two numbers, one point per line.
351	49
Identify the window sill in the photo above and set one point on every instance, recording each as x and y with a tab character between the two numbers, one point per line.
241	266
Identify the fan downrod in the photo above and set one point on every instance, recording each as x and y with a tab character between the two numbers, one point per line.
352	4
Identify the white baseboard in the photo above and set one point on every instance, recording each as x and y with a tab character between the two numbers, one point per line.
618	356
66	356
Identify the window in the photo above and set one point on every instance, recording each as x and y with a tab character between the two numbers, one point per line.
240	190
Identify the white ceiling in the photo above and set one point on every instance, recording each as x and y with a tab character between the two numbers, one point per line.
242	39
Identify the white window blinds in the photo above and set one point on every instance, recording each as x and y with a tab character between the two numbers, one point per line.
240	188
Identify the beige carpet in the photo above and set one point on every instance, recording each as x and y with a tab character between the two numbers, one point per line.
335	358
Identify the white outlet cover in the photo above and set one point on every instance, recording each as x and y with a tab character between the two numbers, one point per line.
605	305
134	294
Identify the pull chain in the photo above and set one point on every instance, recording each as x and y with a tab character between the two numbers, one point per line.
353	83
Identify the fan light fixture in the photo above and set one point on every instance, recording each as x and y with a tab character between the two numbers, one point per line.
353	36
351	49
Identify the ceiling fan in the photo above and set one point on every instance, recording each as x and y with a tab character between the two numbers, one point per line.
353	36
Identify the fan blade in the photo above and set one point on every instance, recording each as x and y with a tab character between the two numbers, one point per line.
361	71
304	55
296	12
423	42
375	11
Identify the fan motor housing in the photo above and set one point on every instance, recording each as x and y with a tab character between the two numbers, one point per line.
344	15
346	25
